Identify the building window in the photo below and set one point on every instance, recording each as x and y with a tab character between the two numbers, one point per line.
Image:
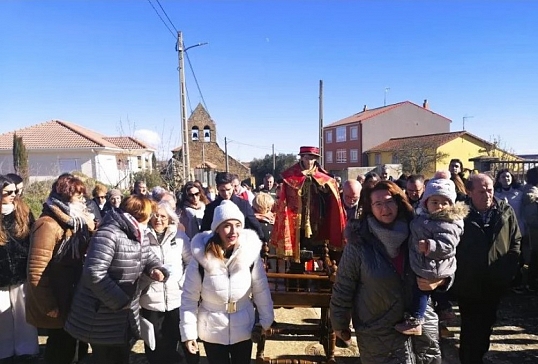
207	134
329	136
377	157
195	133
329	156
139	158
341	156
395	159
354	155
68	165
354	133
341	134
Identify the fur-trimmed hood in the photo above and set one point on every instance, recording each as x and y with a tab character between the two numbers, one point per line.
456	212
246	251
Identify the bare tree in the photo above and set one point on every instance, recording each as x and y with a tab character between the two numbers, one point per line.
418	157
498	148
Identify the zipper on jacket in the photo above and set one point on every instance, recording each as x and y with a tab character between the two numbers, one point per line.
229	301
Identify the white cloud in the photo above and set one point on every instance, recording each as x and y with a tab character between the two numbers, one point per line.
149	137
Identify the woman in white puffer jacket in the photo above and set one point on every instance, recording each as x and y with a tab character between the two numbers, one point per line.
160	301
219	307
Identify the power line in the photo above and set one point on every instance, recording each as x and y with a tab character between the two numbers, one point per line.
196	81
160	17
173	26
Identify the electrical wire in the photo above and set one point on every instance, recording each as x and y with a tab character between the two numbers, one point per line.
160	17
196	81
173	26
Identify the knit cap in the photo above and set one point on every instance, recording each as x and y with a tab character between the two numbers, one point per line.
439	187
227	210
114	193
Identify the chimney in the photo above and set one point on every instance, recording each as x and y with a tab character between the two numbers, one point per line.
365	108
425	104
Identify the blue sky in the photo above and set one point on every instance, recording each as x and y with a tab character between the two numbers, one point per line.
111	65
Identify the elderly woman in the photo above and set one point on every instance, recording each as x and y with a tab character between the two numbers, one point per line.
219	309
160	301
18	339
191	209
374	283
57	246
105	309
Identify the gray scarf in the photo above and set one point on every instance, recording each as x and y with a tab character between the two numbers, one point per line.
391	238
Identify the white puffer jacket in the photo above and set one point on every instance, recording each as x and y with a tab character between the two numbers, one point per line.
175	254
230	281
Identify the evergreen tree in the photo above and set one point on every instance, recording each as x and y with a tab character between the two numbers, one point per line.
20	157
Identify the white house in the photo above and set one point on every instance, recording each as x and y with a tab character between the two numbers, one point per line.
55	147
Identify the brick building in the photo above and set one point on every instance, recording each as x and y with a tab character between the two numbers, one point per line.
346	141
206	156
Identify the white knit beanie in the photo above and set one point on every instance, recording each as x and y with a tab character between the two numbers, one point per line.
439	187
227	210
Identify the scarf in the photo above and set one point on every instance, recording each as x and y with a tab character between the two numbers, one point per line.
75	222
306	199
7	208
391	238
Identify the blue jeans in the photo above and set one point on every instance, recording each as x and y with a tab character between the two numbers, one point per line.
419	302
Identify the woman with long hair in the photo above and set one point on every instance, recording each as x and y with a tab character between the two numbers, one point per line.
374	283
203	195
18	339
191	208
220	308
57	246
105	309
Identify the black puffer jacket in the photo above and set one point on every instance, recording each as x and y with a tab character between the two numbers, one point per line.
488	254
13	253
105	309
369	291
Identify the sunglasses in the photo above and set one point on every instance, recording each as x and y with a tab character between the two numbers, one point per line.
193	194
10	192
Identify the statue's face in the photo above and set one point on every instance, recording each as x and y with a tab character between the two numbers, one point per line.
308	160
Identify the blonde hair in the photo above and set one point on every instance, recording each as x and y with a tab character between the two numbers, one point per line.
263	203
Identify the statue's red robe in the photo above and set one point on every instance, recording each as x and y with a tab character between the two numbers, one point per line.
325	213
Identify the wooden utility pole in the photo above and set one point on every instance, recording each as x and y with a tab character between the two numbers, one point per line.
183	108
321	144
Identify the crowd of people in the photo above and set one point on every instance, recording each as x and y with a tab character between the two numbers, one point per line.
106	268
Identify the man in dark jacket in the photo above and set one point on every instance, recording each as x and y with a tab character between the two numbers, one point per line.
487	257
226	192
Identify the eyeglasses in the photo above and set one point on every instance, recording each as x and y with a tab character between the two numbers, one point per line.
381	204
193	194
102	197
10	192
157	217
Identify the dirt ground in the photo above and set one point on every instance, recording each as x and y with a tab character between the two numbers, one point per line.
515	337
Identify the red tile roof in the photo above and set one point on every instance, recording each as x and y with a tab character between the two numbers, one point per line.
369	114
127	142
57	134
434	139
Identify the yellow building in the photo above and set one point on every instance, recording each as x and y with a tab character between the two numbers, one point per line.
426	154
